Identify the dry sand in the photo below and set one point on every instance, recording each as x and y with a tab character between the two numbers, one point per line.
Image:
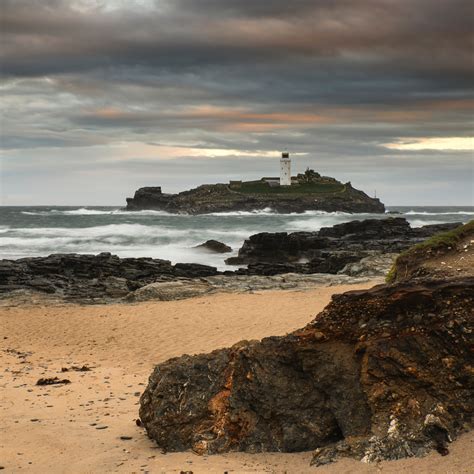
76	428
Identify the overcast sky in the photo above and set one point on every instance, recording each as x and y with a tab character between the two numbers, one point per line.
100	97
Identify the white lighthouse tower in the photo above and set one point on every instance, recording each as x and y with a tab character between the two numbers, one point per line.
285	169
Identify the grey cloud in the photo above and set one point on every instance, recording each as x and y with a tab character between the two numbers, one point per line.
192	34
238	75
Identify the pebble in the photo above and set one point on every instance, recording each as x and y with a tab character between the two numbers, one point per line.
101	427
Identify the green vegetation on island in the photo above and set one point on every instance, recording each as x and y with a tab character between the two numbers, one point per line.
261	187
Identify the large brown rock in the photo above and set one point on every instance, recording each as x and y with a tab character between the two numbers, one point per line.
379	374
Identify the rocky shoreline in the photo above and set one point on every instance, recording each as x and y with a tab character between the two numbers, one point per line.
354	251
331	249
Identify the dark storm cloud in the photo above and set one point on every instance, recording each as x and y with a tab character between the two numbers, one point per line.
301	51
43	37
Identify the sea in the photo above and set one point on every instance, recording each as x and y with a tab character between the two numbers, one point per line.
41	231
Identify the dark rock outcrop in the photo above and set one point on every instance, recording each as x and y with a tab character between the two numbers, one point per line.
379	374
148	198
91	278
329	195
331	249
370	229
214	246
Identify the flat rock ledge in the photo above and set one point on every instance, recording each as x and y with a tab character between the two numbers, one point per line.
380	374
182	289
190	288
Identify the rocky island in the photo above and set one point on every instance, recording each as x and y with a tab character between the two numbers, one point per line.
307	191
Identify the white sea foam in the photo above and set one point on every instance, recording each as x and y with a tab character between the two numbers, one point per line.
325	213
83	211
314	222
422	222
257	212
112	233
425	213
125	240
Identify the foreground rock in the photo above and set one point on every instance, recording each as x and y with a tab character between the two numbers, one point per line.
383	373
379	374
310	191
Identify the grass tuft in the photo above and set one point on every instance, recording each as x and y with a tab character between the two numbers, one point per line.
434	244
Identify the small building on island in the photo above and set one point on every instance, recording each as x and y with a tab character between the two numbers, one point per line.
285	178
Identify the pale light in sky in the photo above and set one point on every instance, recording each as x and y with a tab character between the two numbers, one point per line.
435	143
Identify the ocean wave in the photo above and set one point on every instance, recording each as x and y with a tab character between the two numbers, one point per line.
131	236
124	230
314	222
137	244
83	211
327	213
72	212
426	213
422	222
257	212
272	213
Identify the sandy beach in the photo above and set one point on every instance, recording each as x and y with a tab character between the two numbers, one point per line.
88	425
